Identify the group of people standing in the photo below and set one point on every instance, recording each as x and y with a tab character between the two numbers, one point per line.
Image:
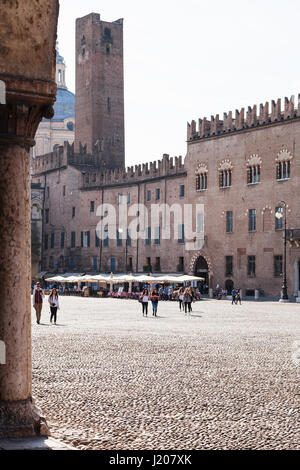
185	298
38	298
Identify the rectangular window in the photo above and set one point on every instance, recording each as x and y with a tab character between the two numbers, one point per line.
148	239
157	236
46	242
181	190
229	266
128	240
64	190
201	182
105	241
113	264
95	264
252	220
130	264
73	212
180	268
52	240
92	206
200	223
157	194
119	239
251	266
47	216
62	239
48	191
157	264
181	233
229	221
85	239
72	263
277	265
148	195
128	198
97	240
73	239
283	170
279	220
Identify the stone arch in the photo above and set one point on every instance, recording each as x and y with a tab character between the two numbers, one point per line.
193	263
284	156
254	160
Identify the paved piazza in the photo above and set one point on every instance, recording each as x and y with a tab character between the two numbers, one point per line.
225	378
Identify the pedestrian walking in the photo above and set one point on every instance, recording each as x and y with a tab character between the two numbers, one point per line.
238	297
154	299
37	299
180	298
54	304
187	299
233	293
145	300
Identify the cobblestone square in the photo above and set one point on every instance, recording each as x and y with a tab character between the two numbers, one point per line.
227	377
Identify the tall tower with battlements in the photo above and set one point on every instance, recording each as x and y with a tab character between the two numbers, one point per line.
100	89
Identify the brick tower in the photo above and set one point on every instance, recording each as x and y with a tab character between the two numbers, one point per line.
100	89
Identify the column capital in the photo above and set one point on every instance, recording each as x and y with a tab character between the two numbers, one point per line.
27	101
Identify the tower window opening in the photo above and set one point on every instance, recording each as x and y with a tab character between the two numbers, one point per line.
59	75
107	49
107	32
108	104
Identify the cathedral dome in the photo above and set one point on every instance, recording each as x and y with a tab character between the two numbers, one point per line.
64	107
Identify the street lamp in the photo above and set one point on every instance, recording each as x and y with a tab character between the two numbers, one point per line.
281	213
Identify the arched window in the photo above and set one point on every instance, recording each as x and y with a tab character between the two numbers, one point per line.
225	174
283	165
254	169
201	177
70	126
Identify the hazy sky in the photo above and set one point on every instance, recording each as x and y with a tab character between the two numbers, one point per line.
186	59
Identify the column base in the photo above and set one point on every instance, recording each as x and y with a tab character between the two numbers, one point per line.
21	419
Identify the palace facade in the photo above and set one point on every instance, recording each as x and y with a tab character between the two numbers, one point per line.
239	169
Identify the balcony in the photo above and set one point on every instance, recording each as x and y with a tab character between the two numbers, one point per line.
293	236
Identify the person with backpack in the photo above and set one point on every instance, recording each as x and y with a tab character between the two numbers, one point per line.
154	299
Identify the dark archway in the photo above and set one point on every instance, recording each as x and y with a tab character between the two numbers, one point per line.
201	269
229	286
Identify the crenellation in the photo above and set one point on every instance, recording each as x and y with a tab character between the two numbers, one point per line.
216	127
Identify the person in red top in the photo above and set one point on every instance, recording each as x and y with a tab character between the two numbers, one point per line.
37	300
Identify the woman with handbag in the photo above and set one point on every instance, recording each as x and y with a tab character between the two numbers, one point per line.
54	304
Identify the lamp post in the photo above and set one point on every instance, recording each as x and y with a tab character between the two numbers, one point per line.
279	215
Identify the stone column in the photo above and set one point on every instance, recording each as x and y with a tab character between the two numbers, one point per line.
27	68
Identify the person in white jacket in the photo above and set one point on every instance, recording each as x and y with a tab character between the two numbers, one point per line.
54	304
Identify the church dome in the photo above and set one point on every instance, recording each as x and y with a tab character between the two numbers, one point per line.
64	107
